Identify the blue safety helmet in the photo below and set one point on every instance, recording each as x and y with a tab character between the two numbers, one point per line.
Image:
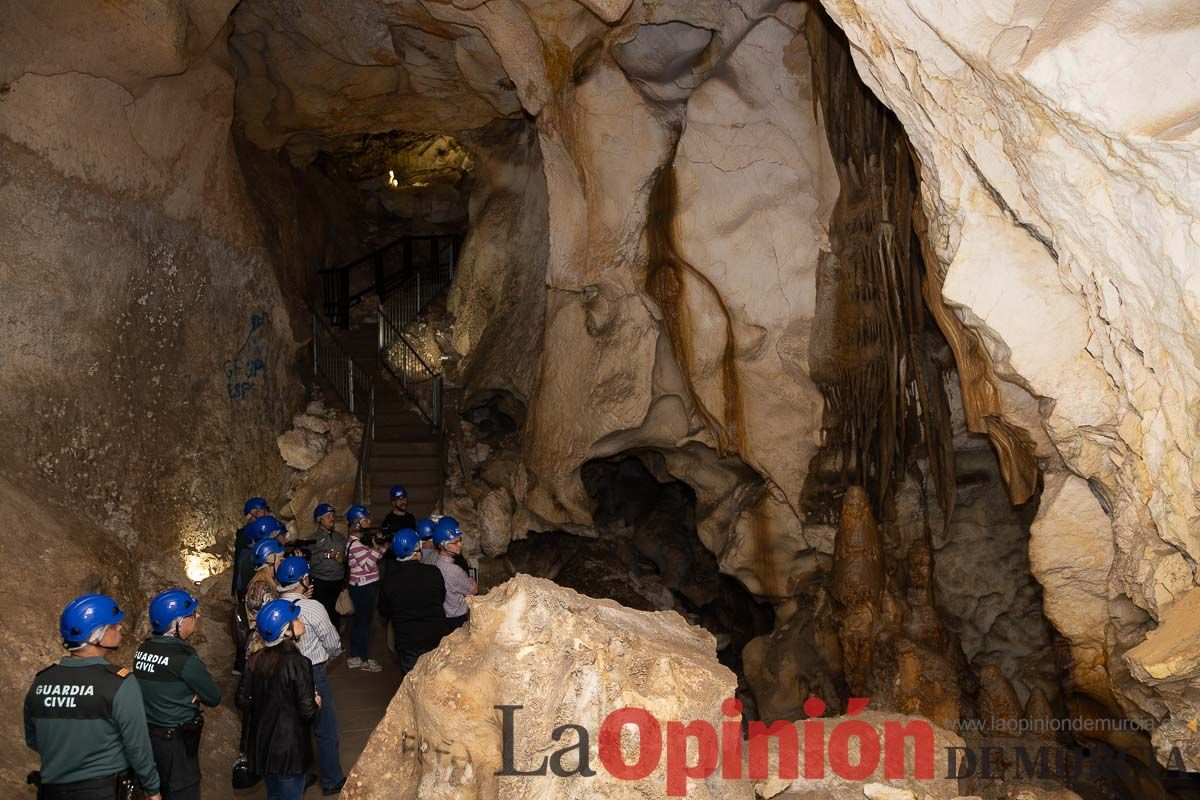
274	617
355	513
264	527
447	530
84	614
254	504
405	543
322	510
291	570
398	491
169	606
265	549
425	528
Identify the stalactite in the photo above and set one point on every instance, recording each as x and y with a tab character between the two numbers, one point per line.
871	356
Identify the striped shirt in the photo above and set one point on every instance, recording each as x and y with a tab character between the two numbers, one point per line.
364	562
320	641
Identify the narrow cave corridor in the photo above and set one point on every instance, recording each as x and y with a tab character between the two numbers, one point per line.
741	363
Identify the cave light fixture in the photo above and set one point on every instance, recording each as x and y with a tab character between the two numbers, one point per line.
392	182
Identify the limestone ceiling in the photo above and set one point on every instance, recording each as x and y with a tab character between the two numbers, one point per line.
312	73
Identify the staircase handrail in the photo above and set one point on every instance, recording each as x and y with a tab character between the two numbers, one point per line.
335	281
364	452
432	415
351	370
400	337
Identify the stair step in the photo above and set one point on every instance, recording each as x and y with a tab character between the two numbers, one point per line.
387	480
416	469
390	418
407	479
401	447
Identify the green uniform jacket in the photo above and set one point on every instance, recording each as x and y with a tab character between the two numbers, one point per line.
171	674
86	720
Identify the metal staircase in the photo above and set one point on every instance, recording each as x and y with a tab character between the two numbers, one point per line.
378	373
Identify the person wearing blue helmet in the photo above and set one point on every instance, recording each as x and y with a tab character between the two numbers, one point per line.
429	551
362	559
327	559
174	680
262	589
320	644
264	527
243	542
398	518
447	535
84	717
411	598
280	702
253	509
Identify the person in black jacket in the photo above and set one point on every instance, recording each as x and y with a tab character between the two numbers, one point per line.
276	693
398	518
411	597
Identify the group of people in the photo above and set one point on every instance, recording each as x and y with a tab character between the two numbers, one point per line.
101	735
411	571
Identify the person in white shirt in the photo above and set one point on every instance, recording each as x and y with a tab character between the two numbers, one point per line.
319	643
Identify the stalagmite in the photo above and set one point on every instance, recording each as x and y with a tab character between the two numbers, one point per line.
998	705
856	585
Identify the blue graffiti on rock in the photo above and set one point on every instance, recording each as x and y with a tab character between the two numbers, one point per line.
247	369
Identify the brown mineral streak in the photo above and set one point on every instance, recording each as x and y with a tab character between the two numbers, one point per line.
977	378
665	282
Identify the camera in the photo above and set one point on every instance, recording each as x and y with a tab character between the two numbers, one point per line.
300	547
376	537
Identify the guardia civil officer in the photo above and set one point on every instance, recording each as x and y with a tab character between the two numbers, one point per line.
85	718
173	681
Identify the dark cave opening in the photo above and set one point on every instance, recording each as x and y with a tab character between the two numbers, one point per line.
648	556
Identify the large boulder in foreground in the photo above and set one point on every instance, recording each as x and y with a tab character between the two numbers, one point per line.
567	659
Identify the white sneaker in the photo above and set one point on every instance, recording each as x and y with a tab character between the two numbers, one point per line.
354	663
371	665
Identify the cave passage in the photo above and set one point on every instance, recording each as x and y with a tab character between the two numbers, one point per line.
647	555
664	305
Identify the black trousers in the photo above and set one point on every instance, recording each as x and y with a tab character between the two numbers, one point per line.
178	771
326	593
105	788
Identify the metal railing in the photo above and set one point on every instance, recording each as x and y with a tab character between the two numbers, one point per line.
364	453
354	385
384	271
420	381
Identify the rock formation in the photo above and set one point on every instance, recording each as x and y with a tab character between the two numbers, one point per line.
568	661
1089	314
707	235
856	584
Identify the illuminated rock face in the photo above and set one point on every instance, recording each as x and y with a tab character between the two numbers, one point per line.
1061	207
146	362
654	191
665	302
